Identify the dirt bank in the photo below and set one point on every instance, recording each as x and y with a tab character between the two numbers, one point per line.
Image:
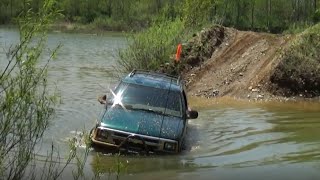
239	65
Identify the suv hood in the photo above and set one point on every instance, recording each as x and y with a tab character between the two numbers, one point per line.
143	122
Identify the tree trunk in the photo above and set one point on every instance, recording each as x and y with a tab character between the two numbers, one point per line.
109	8
88	12
305	13
270	11
11	8
238	13
298	5
159	5
252	13
267	9
24	6
225	10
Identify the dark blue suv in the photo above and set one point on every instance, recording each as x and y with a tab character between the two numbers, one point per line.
148	112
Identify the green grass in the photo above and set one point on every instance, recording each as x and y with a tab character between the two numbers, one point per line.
153	47
296	28
299	70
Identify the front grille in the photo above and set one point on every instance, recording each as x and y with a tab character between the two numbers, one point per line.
102	134
140	147
135	142
120	134
134	146
124	135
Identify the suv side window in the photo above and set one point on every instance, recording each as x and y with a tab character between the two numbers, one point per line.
185	102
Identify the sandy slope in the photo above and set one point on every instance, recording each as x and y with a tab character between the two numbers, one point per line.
239	67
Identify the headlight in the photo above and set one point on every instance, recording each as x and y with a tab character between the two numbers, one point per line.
170	146
103	134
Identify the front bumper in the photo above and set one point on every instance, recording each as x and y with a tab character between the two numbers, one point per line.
121	140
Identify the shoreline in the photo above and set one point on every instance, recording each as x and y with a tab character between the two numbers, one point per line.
237	64
312	104
67	27
239	95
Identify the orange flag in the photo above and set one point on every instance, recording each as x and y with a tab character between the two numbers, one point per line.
178	54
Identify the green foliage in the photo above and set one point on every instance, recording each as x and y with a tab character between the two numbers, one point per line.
112	14
296	28
299	70
152	47
25	102
316	16
196	13
261	15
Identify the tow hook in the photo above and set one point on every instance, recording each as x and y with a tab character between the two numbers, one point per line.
132	136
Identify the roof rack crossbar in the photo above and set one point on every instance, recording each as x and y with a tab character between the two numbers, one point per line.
155	73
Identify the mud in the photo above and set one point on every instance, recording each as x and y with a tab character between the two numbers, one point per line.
223	61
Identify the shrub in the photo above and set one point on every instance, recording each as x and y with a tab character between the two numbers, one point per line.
151	48
316	16
25	101
299	70
298	27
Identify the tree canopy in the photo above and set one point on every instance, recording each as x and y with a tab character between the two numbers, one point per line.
262	15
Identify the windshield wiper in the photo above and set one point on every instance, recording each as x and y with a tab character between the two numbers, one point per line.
143	109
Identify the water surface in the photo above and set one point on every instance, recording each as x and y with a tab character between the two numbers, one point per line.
229	140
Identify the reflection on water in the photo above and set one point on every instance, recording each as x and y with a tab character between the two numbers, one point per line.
230	139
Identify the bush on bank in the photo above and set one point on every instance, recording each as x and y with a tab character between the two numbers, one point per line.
298	73
153	47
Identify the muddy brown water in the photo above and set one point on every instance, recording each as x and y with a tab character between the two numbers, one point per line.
230	139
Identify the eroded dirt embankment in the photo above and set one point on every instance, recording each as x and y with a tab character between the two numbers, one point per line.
239	65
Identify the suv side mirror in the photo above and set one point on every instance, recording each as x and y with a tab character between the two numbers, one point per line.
192	114
103	99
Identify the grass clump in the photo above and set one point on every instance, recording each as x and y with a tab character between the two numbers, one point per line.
298	73
299	27
153	47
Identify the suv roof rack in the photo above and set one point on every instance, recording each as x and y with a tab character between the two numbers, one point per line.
135	71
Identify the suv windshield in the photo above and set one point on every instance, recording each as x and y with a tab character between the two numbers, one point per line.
137	97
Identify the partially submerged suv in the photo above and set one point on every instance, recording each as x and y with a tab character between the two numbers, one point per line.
147	112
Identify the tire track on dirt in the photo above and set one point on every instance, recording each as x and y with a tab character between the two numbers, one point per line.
239	65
